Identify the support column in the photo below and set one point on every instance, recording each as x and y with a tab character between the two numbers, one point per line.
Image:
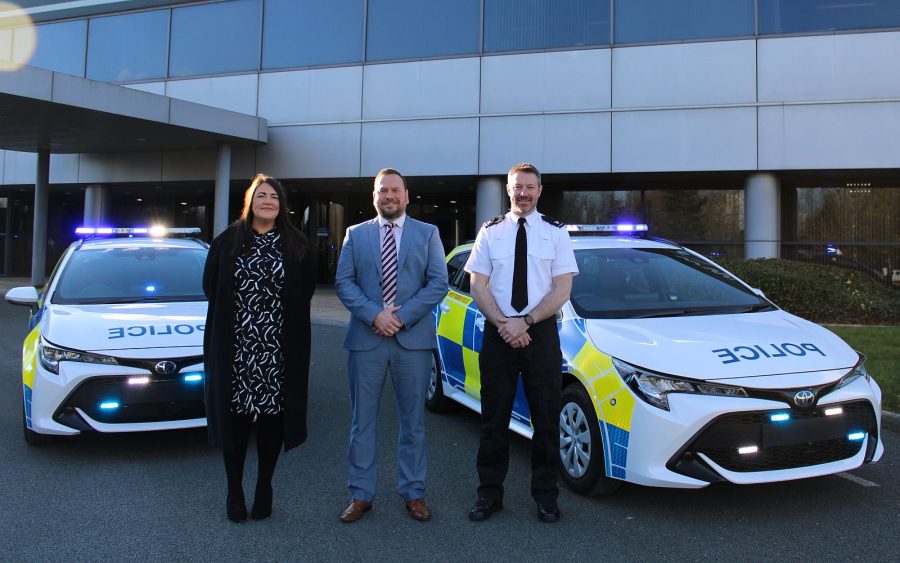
489	200
39	232
223	181
762	217
96	203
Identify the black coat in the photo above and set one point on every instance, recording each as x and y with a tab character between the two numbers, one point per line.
218	341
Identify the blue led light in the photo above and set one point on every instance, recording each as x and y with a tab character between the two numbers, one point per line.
779	417
150	288
856	436
109	405
193	377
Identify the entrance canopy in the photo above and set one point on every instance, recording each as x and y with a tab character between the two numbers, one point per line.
44	110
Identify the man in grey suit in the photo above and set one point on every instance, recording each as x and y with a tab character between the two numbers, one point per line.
390	275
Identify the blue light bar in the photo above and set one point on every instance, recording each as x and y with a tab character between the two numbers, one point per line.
155	231
779	417
619	228
856	436
109	405
193	377
150	288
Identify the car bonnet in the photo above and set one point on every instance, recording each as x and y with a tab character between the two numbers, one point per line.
101	328
715	347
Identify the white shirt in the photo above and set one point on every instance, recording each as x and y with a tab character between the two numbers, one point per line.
550	254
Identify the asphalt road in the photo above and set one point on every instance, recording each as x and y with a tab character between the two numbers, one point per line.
160	496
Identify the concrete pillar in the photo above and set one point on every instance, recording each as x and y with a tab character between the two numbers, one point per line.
490	200
96	205
39	232
762	217
223	181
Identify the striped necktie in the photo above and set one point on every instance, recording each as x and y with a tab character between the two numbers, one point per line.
389	266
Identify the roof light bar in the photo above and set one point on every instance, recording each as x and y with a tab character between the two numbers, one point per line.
623	228
155	231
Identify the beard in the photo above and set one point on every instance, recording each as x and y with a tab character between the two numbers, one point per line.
390	215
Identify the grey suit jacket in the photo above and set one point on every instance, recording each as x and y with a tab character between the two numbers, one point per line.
421	283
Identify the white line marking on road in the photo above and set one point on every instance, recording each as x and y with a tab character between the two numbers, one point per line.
858	480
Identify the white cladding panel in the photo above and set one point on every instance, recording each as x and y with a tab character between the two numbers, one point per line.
311	151
235	93
426	147
421	89
120	167
64	168
20	167
303	96
553	143
721	72
829	67
189	165
553	81
862	135
692	139
152	87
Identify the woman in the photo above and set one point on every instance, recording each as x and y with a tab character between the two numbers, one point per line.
259	279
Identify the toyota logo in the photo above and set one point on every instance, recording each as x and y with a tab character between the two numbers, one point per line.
804	398
166	367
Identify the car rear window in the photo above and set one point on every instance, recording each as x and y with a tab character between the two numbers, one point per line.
131	275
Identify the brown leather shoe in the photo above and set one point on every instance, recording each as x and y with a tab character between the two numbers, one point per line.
418	510
355	510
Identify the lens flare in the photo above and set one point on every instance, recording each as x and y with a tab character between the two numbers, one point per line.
18	38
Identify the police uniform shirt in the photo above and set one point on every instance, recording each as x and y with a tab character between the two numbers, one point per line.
549	254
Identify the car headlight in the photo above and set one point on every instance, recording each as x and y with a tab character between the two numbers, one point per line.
859	370
655	387
51	355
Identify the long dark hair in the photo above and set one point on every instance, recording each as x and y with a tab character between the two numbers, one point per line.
293	241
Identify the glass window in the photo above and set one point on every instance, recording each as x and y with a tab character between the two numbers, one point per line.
793	16
454	266
128	47
312	32
215	38
640	21
511	25
407	29
60	47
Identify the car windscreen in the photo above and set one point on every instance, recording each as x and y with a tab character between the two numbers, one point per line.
131	275
627	283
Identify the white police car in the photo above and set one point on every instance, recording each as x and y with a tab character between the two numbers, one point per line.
115	341
676	374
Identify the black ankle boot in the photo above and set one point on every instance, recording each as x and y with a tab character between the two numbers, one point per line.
236	507
262	502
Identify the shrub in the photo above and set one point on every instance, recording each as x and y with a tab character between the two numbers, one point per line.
819	293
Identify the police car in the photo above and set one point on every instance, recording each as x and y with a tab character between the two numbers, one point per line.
115	340
675	373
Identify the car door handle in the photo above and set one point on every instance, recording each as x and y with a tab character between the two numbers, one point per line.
479	323
444	307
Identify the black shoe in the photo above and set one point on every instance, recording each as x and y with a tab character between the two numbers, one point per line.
234	505
548	512
262	503
483	509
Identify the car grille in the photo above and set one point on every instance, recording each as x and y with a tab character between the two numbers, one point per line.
808	438
164	398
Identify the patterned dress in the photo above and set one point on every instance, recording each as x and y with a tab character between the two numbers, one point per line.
258	361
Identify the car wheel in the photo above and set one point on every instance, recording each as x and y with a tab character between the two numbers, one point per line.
435	400
32	438
581	445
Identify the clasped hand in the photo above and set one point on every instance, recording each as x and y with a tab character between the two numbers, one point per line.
514	331
387	323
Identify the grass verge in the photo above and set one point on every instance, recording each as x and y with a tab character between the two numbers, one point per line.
881	345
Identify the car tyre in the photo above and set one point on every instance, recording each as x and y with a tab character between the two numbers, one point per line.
32	438
581	445
435	400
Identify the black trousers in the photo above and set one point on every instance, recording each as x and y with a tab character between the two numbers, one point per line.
539	365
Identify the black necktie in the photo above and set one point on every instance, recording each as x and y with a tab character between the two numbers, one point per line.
520	271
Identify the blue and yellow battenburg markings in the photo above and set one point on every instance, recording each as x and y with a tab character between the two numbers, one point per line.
458	341
612	400
29	367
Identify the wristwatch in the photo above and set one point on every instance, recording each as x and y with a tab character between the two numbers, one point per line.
529	320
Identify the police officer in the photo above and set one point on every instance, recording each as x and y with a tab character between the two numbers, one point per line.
521	271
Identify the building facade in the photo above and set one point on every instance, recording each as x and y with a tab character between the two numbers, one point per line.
758	128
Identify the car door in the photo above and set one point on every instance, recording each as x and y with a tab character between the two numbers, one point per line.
460	327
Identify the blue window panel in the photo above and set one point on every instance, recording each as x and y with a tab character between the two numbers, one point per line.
215	38
298	33
412	29
639	21
128	47
60	47
511	25
797	16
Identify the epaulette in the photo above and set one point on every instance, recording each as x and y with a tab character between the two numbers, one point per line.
494	221
554	222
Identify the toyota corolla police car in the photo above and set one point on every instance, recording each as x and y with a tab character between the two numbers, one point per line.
675	373
115	341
